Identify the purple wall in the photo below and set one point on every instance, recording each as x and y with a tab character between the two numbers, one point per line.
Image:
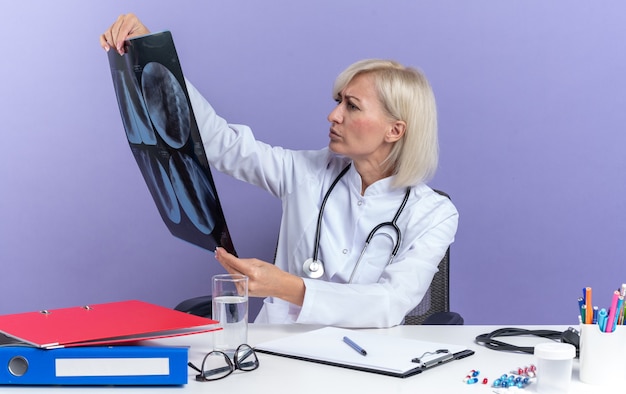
532	113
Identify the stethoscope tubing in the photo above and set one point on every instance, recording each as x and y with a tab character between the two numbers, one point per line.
316	246
393	224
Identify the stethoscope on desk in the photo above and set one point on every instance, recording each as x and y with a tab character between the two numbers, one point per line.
314	268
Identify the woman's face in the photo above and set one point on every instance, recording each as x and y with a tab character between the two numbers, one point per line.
359	124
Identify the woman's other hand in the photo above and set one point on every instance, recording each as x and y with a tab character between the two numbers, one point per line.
264	279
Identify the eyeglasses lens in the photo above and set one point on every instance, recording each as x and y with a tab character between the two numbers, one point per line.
246	359
216	365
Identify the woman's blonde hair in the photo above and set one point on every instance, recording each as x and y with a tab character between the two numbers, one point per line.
407	96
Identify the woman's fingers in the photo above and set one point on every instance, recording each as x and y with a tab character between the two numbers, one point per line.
126	26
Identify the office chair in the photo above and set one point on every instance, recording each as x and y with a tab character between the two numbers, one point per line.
434	309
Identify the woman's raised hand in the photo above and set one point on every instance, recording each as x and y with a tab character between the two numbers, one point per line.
125	27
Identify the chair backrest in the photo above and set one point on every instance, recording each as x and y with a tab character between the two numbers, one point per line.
437	297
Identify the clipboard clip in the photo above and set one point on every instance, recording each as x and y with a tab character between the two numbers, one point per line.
446	356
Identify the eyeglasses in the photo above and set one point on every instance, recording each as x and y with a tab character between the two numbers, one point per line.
217	365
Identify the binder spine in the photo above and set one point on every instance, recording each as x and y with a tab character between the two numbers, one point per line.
98	365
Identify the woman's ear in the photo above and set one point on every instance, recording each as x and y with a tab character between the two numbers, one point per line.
397	130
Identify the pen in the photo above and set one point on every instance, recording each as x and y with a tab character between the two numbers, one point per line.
354	346
612	312
618	311
589	310
621	313
583	314
581	308
602	315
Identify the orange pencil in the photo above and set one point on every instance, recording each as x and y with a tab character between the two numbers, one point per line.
589	316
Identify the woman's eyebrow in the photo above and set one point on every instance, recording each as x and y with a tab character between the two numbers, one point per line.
353	98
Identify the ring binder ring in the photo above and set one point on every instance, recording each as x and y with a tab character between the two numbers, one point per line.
18	366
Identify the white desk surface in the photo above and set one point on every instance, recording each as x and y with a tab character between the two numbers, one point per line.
278	375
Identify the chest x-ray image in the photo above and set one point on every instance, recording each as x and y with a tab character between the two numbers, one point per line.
163	136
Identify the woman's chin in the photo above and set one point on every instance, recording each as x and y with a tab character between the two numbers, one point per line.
335	147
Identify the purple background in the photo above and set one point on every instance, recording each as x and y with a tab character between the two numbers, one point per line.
531	110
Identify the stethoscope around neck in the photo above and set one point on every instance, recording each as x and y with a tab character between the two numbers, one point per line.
314	268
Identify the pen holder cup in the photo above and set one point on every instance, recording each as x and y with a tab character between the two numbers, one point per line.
602	355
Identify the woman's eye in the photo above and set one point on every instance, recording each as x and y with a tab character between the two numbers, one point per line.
349	104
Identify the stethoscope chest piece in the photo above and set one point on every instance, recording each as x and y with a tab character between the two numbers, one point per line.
313	268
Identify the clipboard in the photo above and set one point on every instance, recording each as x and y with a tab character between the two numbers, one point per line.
101	324
386	355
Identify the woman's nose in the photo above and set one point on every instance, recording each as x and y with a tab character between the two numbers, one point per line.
335	115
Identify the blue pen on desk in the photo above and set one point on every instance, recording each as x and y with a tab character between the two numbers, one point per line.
354	346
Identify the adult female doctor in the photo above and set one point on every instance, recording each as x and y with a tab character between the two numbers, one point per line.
383	147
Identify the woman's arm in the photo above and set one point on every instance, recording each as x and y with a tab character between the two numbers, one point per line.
264	279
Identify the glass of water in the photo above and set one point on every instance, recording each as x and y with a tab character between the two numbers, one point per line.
230	309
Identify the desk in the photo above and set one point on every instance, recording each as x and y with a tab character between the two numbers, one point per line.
277	375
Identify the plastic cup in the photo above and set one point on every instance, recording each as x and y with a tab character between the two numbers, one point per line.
554	367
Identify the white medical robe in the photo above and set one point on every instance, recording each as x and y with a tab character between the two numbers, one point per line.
380	294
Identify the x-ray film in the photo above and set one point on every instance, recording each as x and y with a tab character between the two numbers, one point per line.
164	138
